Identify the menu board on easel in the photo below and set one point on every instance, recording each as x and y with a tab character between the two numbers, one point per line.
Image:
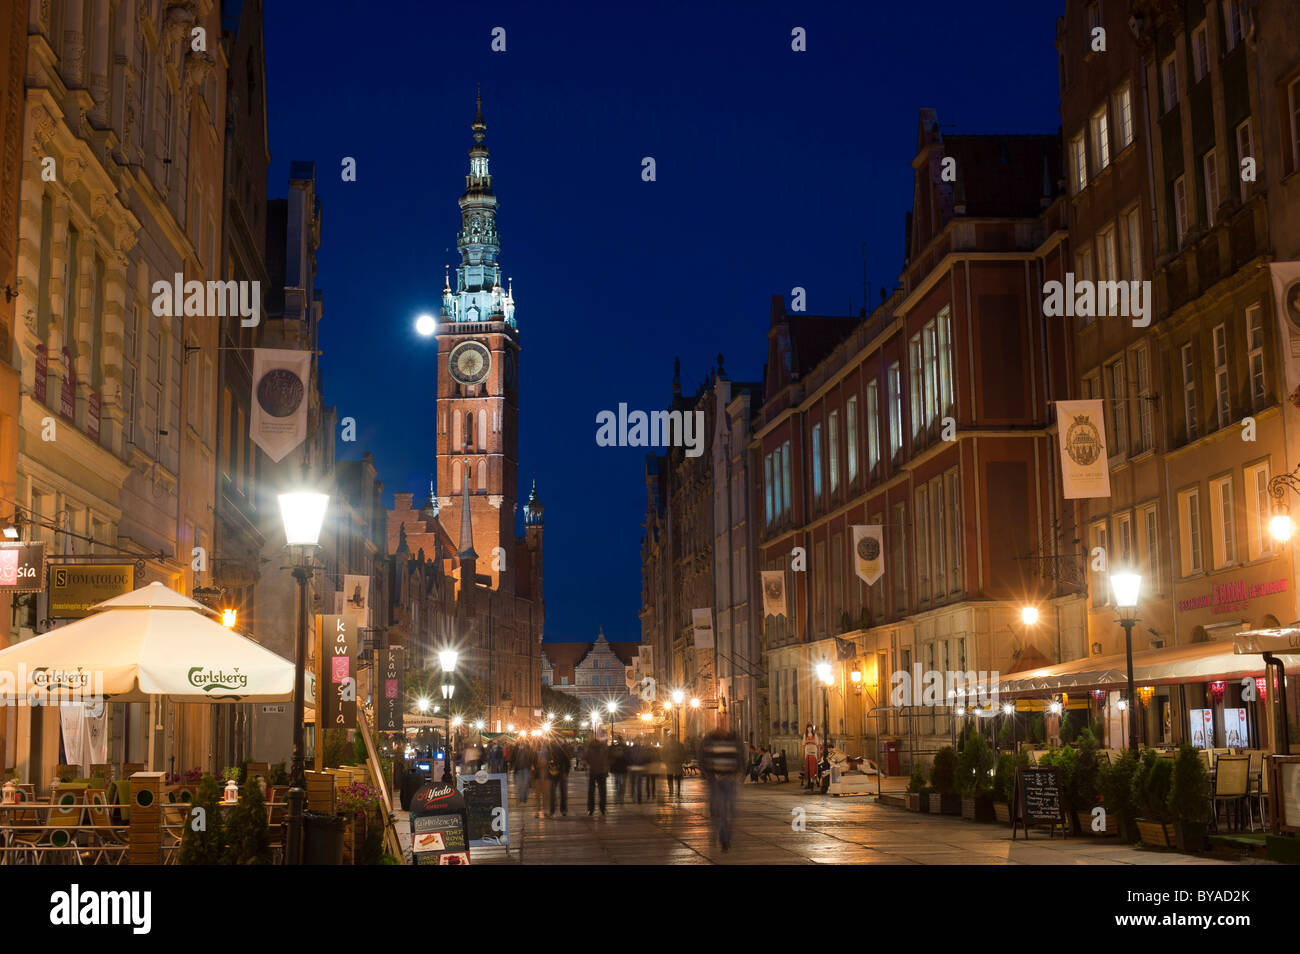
1038	801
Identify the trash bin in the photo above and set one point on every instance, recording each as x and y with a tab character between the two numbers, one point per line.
323	838
889	756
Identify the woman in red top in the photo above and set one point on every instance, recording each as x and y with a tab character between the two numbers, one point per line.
811	748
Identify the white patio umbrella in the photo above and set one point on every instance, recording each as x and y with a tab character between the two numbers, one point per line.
149	642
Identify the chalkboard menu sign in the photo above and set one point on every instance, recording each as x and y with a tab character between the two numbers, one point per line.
438	826
1038	800
487	809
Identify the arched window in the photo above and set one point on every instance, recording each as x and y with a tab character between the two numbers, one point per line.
482	477
455	430
455	476
482	429
469	430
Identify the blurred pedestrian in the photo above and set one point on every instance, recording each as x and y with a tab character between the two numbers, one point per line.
674	756
557	771
523	770
618	768
722	758
597	755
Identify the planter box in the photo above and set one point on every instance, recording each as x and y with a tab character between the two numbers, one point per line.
1002	812
1156	834
945	804
977	808
1191	836
914	801
1084	821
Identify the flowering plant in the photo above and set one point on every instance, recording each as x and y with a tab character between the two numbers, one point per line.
358	798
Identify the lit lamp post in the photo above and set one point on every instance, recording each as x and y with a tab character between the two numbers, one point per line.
825	677
678	697
612	707
1009	710
447	660
303	513
1126	587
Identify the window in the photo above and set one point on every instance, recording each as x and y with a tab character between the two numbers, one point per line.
1189	520
1117	385
938	538
947	396
952	489
1255	356
1107	270
1101	583
923	545
1180	211
1169	74
1222	399
817	462
1245	148
1151	526
1133	244
1200	52
130	358
898	546
1234	22
1124	115
895	398
915	381
873	426
1100	127
1211	173
1259	510
819	582
837	584
1189	392
851	422
767	481
192	385
1225	523
929	362
1142	375
1078	164
1125	543
833	447
1083	273
785	478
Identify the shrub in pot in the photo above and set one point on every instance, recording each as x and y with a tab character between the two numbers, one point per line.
1151	785
1004	783
975	777
915	789
206	845
1116	784
943	781
1084	789
1189	800
248	834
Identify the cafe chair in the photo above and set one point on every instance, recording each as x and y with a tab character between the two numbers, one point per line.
63	823
1232	788
276	815
21	842
110	846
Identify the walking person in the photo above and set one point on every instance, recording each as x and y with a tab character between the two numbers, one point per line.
811	749
597	755
523	770
558	774
674	756
722	758
618	768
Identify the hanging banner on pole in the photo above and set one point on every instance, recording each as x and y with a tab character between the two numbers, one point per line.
278	422
356	598
338	645
869	552
389	691
774	593
702	619
1081	429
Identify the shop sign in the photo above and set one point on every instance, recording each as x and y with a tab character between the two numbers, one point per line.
22	567
1233	596
75	588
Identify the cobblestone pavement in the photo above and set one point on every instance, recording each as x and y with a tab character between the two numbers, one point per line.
849	830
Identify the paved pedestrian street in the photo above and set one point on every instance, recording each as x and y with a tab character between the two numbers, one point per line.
850	830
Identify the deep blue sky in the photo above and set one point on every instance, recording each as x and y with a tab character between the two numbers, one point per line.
774	168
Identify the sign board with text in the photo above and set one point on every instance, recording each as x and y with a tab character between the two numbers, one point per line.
438	826
1037	800
337	642
76	587
22	567
487	809
388	690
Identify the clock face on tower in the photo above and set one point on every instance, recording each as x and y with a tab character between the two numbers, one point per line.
469	362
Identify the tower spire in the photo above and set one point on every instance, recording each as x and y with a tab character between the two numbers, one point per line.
479	127
466	524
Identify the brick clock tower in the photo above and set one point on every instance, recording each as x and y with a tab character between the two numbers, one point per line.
478	382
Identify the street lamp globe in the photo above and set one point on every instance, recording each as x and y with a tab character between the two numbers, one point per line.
479	725
457	720
824	673
426	325
303	513
612	707
1126	586
1122	705
678	696
1280	527
695	703
423	704
447	659
1008	708
1029	615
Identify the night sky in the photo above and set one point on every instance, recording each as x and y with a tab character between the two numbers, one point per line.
773	170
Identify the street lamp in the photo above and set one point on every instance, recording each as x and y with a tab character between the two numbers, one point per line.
612	706
1009	710
303	513
1029	615
825	676
1126	586
447	660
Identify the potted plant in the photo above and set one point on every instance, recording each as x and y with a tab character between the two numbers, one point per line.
918	799
357	801
975	777
1189	800
248	832
1084	789
943	783
1151	784
1004	784
1116	784
204	844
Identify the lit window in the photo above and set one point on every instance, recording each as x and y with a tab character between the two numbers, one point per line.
873	426
817	461
1100	126
1124	115
1259	510
833	447
895	398
1107	270
1079	163
1255	355
851	422
1189	511
1225	523
1189	392
1222	397
1200	52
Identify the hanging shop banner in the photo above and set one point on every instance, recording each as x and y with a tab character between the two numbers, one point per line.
1286	293
356	598
1081	429
389	690
703	624
22	567
774	593
75	588
278	422
869	552
845	648
338	653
